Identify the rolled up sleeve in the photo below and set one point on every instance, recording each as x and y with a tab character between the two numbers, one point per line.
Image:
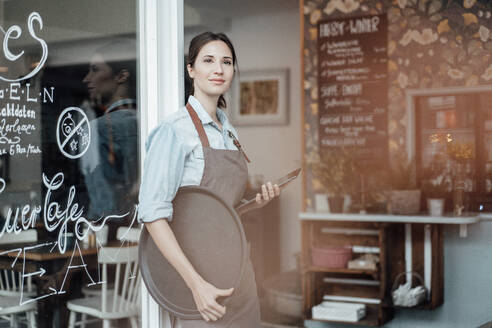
163	171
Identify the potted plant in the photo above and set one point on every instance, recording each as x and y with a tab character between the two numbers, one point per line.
373	190
435	185
335	171
404	197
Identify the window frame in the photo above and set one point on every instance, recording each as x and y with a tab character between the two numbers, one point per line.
160	89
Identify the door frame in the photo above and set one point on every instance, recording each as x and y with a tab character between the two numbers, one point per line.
160	90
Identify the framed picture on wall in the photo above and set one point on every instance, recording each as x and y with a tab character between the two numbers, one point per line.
260	97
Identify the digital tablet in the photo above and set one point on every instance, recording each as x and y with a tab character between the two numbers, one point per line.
282	182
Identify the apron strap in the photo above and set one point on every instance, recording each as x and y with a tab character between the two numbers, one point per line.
203	136
198	126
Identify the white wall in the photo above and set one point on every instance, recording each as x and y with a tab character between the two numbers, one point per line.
272	41
269	41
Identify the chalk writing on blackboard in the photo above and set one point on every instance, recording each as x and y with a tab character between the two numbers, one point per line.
352	86
344	27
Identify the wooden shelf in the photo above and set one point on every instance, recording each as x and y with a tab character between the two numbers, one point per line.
390	218
371	319
314	287
313	268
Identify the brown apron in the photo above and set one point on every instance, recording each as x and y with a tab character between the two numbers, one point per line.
226	173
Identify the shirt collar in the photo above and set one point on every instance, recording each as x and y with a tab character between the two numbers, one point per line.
203	115
121	102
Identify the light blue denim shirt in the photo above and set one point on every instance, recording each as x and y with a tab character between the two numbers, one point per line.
175	158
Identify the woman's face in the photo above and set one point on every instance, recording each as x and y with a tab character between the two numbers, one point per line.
100	80
213	69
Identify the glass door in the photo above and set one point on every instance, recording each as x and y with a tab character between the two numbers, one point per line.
69	155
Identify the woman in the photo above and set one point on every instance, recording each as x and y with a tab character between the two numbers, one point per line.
110	166
178	155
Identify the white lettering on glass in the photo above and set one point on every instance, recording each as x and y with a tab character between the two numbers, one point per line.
55	217
9	35
67	128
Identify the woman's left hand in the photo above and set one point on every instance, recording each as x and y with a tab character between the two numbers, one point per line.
268	192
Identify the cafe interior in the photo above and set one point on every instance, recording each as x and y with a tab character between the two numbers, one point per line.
385	105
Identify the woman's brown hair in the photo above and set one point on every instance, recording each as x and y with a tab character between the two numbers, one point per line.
197	44
113	55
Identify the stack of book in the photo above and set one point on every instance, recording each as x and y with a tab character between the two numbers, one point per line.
339	311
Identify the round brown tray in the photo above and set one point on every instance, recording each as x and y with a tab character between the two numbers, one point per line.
211	235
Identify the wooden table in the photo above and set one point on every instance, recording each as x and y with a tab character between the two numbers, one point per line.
40	254
52	272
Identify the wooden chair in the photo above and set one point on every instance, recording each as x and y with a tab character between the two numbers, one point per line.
123	301
13	286
122	234
10	307
128	234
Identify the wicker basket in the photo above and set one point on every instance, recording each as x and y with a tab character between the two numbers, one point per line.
404	295
334	257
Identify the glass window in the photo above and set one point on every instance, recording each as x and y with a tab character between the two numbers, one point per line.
69	163
455	145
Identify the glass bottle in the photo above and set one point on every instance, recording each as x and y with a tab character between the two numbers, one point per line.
459	190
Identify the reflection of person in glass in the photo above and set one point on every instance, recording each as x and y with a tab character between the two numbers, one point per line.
111	162
178	155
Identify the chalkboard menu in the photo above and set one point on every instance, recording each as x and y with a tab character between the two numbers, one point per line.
353	87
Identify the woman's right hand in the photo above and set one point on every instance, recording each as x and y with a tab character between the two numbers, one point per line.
205	296
204	293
